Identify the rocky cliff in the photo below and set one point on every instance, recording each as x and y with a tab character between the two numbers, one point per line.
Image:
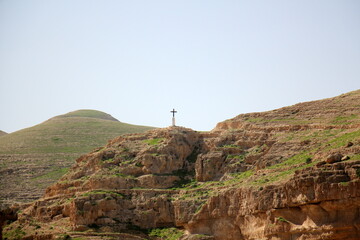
291	173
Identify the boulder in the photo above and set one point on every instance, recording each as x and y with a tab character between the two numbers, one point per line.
333	158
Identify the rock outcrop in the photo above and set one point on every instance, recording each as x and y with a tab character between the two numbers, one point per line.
291	173
317	203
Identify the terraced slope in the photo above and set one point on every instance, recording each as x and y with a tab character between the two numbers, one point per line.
33	158
291	173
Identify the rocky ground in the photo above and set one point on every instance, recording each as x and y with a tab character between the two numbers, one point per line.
291	173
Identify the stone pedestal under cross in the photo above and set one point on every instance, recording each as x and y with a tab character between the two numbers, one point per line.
173	118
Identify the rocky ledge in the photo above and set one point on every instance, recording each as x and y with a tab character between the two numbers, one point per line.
285	179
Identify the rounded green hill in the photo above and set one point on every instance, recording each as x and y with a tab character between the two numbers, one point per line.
35	157
86	113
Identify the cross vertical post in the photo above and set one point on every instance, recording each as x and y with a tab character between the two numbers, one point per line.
173	118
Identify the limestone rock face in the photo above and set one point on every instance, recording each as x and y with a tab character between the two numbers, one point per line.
317	203
285	174
208	166
152	160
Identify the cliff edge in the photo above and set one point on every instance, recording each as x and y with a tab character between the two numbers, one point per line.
290	173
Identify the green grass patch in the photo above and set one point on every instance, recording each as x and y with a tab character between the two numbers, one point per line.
110	160
154	141
344	120
343	139
59	135
102	192
166	233
355	157
345	184
230	146
291	120
294	160
88	114
255	120
242	175
237	178
282	219
280	175
122	175
16	233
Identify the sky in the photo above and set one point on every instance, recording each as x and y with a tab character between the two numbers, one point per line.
137	60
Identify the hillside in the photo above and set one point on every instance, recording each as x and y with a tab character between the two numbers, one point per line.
290	173
2	133
33	158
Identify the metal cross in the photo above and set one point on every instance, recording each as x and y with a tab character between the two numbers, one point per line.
173	112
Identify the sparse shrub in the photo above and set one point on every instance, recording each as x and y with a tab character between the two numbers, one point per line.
131	226
344	184
63	237
358	172
185	178
110	160
166	233
193	156
234	156
230	146
281	219
104	193
199	207
308	160
55	139
94	226
139	164
16	233
80	212
128	157
98	149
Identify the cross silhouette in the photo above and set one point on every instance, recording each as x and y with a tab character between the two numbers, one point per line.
173	118
173	112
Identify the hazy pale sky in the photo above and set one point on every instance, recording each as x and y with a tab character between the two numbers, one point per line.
138	59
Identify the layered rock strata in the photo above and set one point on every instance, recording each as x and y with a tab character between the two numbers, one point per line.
257	176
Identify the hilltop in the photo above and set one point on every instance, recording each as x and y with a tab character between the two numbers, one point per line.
336	111
290	173
85	113
35	157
